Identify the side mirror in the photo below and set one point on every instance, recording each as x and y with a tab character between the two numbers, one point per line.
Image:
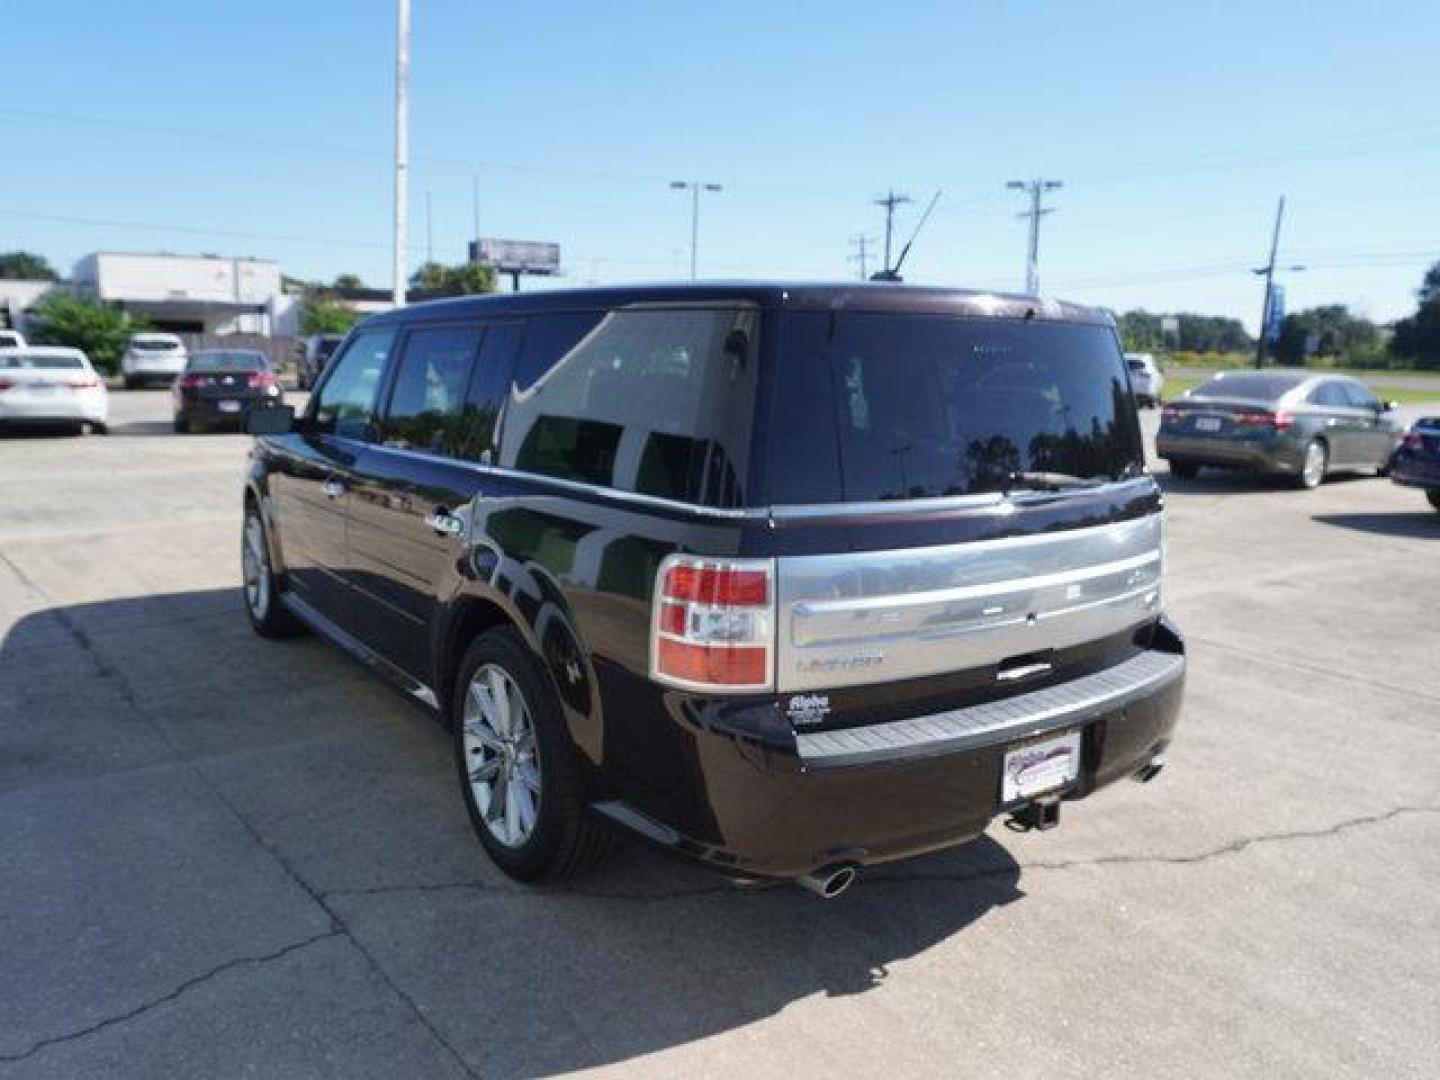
279	420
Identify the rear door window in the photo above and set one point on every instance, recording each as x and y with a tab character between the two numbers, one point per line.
927	406
428	397
1329	395
653	401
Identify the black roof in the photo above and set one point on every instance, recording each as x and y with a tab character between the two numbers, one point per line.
855	296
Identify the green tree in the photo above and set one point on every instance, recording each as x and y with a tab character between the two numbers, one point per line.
1332	330
462	280
1213	334
323	314
348	281
99	331
1139	331
1417	338
26	266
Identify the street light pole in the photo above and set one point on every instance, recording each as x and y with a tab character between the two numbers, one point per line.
1268	272
695	187
402	142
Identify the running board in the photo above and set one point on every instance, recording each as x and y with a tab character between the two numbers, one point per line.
358	650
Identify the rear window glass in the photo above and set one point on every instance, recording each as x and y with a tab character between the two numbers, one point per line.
657	402
1254	385
153	345
227	361
925	406
31	362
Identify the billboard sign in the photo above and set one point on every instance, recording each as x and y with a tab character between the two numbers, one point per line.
1275	317
516	256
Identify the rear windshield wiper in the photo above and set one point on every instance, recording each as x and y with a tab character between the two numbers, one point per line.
1048	481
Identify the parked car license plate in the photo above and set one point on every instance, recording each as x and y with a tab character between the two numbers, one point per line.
1207	423
1038	767
229	406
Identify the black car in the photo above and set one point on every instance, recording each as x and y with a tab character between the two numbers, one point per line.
1417	459
787	579
220	386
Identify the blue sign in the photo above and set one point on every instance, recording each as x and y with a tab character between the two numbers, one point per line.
1275	317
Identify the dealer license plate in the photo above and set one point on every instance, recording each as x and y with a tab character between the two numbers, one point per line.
1038	767
229	406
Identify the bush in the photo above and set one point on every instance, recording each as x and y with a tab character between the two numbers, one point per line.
325	315
100	332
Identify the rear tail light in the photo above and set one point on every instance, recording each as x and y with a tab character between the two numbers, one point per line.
6	384
88	382
191	382
258	379
713	626
1279	421
1169	415
1413	440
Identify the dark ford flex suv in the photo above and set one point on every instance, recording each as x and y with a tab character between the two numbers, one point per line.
791	580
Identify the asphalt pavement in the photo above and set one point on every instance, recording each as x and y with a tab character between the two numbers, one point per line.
224	856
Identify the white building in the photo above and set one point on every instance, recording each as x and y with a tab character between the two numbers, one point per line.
188	294
18	296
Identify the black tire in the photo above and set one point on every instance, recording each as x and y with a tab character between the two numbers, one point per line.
268	616
1307	481
182	426
566	838
1183	470
1434	497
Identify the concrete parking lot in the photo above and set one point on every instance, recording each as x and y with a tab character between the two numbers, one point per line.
224	856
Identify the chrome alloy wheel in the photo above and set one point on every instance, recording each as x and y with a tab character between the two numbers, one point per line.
500	756
255	567
1313	471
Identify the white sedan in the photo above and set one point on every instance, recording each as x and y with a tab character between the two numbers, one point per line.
42	384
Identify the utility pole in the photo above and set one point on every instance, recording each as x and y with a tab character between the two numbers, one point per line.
889	201
1268	272
694	187
402	143
1036	189
861	244
429	231
475	214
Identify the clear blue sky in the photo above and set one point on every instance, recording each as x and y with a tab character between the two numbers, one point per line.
265	128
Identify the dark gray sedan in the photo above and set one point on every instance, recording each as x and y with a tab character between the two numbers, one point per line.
1291	424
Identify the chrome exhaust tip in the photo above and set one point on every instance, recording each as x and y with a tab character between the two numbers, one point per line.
1152	769
830	881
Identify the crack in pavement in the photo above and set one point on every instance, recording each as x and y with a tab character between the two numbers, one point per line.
186	986
1232	848
1311	669
338	926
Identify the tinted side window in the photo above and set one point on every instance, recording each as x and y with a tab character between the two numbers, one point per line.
346	402
658	402
487	390
426	403
1329	395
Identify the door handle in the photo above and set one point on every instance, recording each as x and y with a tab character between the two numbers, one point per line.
334	487
444	522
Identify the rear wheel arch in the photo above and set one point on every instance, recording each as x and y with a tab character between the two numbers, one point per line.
467	619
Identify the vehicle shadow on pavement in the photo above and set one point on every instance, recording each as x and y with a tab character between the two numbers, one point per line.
1218	481
199	769
1420	525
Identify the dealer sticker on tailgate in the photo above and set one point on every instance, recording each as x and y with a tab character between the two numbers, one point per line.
1038	767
